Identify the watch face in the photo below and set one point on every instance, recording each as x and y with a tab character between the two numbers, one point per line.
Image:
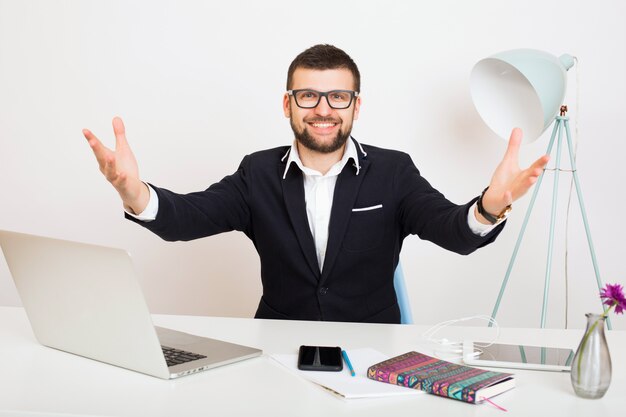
503	215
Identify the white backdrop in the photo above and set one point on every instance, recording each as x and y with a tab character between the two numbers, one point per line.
200	84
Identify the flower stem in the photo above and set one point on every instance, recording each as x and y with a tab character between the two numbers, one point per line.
588	333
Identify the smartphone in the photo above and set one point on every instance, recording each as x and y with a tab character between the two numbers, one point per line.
320	358
517	356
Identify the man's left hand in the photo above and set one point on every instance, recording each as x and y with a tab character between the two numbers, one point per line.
509	181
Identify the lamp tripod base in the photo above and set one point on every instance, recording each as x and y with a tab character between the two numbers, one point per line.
561	123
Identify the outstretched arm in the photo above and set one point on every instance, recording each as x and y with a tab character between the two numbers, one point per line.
509	181
120	168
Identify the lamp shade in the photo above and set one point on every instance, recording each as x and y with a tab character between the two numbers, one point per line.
520	88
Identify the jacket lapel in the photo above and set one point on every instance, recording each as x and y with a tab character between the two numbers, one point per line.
344	197
293	193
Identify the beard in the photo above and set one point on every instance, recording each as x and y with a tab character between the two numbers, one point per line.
305	139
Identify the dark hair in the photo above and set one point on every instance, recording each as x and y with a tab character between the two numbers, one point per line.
324	57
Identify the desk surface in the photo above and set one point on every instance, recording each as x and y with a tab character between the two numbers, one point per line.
39	381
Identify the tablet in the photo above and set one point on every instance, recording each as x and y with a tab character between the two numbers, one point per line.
517	356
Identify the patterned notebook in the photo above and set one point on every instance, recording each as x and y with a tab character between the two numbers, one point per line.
439	377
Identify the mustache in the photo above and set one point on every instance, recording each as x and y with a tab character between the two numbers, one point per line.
317	119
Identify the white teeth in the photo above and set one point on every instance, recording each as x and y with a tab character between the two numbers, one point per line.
323	125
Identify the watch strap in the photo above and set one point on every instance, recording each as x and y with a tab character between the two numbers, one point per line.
488	216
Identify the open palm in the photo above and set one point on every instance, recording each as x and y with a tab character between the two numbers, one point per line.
120	167
509	182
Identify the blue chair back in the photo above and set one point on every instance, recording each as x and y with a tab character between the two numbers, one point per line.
406	316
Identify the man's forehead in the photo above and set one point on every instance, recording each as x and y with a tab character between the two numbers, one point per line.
323	80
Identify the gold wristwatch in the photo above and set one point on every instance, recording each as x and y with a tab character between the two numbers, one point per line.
488	216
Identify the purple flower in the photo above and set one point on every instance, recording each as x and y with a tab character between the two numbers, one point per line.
613	295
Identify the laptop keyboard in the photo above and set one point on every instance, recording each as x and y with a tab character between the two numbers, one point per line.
177	356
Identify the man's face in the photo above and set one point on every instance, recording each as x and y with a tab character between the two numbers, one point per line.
322	128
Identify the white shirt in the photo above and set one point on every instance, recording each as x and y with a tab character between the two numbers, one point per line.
318	195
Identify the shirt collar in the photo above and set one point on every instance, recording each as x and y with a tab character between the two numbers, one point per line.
350	152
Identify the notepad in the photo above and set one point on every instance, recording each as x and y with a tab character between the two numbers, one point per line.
446	379
342	383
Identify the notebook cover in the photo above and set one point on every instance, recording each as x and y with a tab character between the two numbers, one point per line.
435	376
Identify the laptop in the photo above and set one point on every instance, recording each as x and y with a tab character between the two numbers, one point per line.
86	300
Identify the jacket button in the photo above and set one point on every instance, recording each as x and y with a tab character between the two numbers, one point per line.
323	290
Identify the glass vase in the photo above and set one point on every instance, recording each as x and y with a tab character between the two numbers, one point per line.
591	366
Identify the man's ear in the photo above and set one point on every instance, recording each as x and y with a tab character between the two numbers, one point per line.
357	107
287	106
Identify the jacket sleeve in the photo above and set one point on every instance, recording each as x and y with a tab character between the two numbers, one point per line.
426	212
222	207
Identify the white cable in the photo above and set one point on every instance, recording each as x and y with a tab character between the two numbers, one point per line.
571	186
447	346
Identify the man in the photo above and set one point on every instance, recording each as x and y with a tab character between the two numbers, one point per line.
327	215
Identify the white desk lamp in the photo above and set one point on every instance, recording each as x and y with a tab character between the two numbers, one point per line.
525	88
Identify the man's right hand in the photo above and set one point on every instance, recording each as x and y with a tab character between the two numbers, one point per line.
120	168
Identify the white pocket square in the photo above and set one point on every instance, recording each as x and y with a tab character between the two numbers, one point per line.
377	206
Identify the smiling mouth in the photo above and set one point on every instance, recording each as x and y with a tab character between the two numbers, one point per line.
323	124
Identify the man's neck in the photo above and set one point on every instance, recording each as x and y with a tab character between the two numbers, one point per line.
321	162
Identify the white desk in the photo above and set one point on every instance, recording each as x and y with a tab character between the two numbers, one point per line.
39	381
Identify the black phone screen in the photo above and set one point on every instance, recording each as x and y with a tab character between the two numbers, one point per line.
320	358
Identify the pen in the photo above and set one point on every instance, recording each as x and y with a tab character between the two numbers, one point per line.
345	358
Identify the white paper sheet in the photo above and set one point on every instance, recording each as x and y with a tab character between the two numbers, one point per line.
342	383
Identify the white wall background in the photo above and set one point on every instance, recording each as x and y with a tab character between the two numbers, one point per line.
199	85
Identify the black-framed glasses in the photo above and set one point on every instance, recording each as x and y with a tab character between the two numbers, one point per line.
337	99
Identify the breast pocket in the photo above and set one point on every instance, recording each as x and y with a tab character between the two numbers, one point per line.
365	228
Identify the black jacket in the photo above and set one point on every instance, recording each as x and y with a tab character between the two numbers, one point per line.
363	246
